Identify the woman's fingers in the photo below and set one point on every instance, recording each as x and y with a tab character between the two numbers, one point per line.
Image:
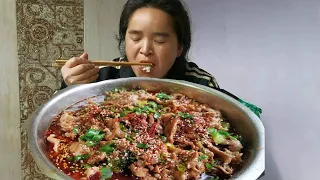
84	56
88	80
81	68
76	61
87	74
78	70
83	76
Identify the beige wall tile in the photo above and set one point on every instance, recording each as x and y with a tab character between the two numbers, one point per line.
8	48
10	151
10	146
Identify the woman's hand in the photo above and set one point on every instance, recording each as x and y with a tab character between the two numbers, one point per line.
78	70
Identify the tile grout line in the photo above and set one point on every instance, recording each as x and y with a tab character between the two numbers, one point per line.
10	165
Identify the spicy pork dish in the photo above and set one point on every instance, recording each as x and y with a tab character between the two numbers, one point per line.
137	134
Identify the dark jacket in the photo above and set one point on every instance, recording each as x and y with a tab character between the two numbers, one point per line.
181	70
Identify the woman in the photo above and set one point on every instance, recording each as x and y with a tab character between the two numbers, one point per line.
155	31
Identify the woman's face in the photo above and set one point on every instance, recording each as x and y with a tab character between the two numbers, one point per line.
150	37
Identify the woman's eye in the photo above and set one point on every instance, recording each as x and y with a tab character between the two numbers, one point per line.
160	41
135	39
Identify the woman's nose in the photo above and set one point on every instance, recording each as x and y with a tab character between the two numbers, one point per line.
146	48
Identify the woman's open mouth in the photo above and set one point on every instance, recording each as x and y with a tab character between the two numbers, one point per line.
146	68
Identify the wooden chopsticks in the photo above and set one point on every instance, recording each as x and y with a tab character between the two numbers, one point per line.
59	63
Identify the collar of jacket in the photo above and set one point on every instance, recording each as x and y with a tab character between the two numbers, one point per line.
177	71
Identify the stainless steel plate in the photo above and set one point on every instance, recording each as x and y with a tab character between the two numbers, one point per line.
241	118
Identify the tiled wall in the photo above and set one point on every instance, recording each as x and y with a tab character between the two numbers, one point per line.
47	30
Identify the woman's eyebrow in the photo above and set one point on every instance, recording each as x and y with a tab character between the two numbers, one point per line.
134	32
162	34
137	32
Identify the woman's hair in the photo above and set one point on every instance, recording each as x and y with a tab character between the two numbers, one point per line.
174	8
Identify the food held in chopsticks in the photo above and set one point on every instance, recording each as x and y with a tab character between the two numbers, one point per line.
146	68
145	135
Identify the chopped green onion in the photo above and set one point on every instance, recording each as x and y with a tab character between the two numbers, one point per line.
202	157
137	110
169	145
98	137
217	137
142	146
91	143
125	112
212	130
106	173
224	133
186	115
163	158
163	96
118	90
156	115
77	158
151	110
109	148
237	137
220	136
132	159
122	127
147	109
216	162
113	109
152	104
181	168
129	139
86	166
163	138
91	132
92	137
70	158
75	129
144	108
209	166
118	165
141	103
215	178
83	138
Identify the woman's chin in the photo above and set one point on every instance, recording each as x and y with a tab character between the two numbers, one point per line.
147	74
